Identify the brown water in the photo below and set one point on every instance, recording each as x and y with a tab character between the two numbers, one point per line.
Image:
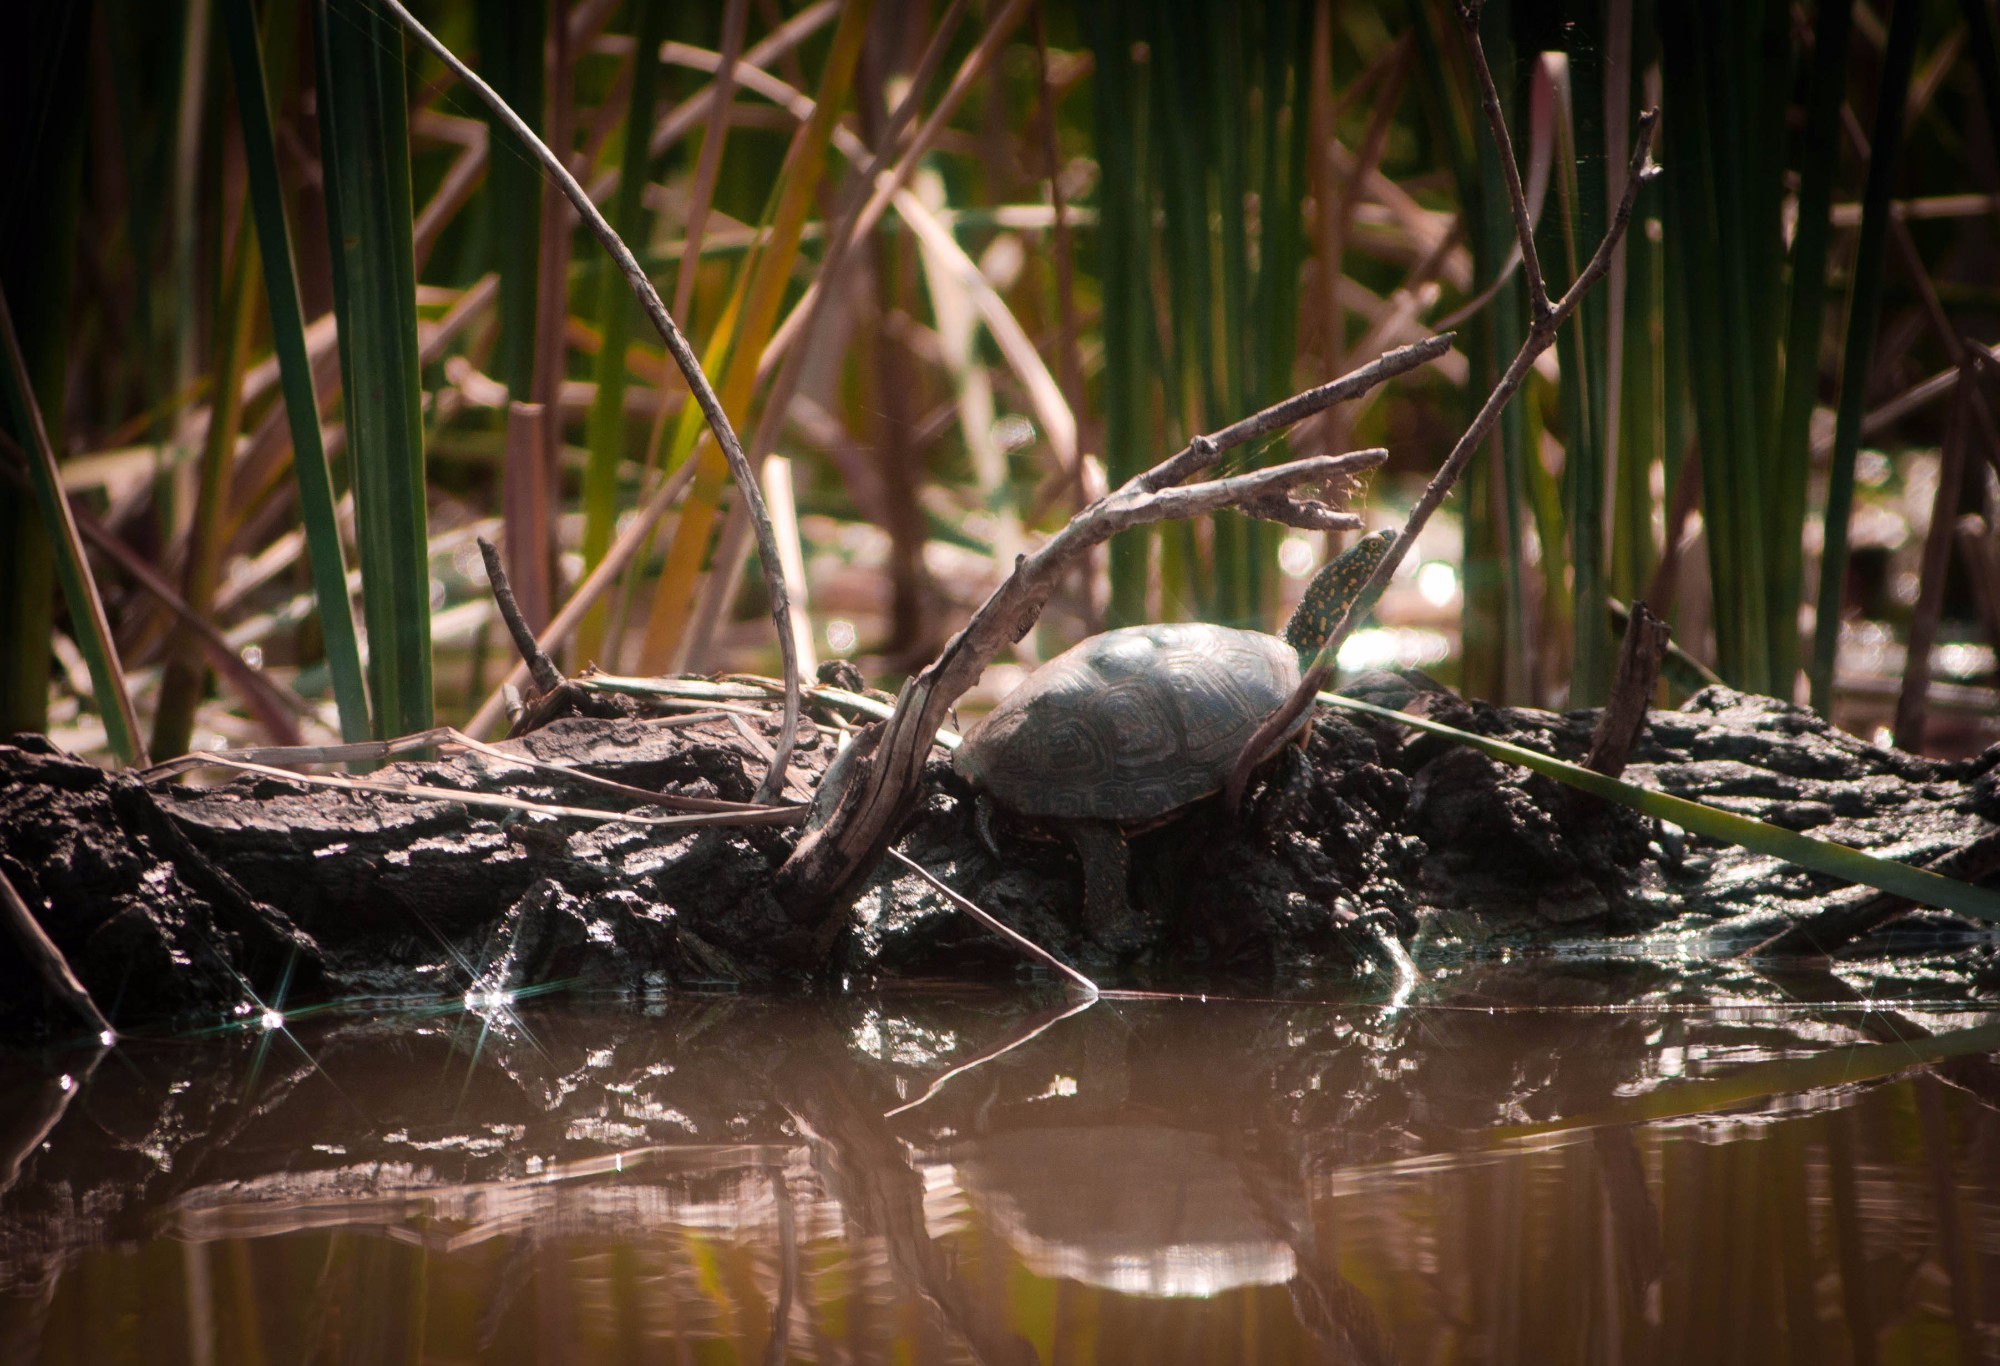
1549	1160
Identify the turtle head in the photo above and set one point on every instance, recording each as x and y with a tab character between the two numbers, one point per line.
1332	591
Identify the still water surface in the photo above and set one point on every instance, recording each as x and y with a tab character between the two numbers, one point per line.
1546	1160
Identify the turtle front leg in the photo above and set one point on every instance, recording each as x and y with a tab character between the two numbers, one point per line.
1107	867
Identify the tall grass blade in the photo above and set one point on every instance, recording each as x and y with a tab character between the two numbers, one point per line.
1124	253
605	428
188	145
1493	620
288	338
533	472
1725	218
1582	350
1821	856
1863	319
364	144
1807	316
43	105
1223	116
511	35
86	608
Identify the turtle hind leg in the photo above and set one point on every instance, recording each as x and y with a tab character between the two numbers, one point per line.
986	822
1107	864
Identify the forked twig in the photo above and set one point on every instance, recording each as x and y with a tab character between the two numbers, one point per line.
1517	198
684	358
1542	329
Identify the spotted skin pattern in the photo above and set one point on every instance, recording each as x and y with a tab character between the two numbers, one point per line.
1327	596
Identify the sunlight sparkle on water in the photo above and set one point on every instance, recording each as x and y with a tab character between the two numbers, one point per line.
488	999
271	1019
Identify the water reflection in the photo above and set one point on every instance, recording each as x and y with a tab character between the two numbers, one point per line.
986	1177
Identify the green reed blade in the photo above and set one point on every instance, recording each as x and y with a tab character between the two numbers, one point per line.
86	608
41	161
365	146
1807	318
1494	614
605	426
288	336
1863	319
1568	239
512	35
1821	856
1123	252
1724	221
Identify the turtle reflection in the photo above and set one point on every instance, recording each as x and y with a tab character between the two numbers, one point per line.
1137	1208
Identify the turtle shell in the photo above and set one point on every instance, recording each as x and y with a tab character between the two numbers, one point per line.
1131	724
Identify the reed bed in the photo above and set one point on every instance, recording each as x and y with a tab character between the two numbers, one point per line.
301	318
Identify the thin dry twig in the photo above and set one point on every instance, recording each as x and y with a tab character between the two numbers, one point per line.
378	751
690	368
1013	936
1517	198
743	815
540	667
50	965
622	552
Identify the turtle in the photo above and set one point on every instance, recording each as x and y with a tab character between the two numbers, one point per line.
1121	731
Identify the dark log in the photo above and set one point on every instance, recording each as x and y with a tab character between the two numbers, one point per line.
173	902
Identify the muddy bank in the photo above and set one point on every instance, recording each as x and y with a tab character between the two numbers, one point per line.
173	901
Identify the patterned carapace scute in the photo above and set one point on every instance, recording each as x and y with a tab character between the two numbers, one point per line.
1130	724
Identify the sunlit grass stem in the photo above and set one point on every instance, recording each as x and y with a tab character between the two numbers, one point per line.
325	553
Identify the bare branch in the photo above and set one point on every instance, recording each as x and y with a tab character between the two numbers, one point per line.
1542	331
1203	451
1541	336
540	667
860	820
1496	122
